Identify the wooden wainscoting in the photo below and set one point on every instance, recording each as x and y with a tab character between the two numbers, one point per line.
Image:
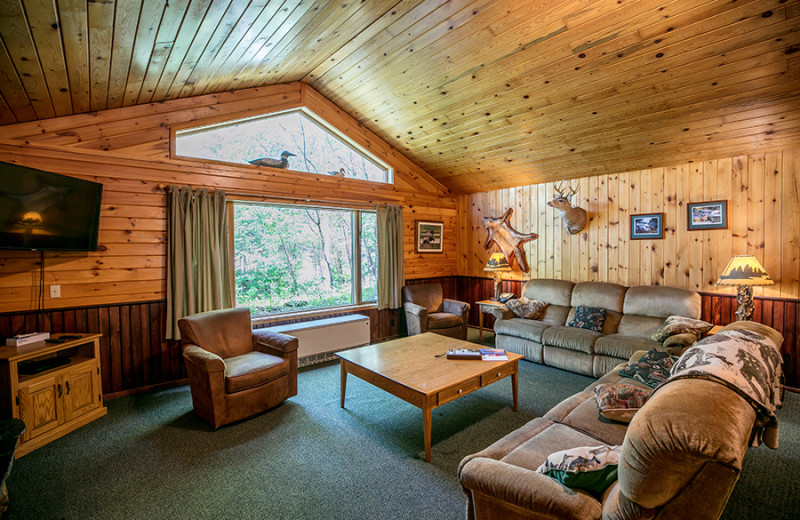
134	355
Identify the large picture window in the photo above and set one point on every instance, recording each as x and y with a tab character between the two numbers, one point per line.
294	258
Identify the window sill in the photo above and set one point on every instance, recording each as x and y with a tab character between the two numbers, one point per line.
285	316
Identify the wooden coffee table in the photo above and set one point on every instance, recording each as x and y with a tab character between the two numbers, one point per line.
409	368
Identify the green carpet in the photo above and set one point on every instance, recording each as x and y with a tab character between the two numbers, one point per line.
153	458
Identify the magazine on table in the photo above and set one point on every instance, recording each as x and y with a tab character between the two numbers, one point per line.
485	354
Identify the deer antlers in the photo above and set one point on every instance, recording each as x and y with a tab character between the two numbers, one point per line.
560	190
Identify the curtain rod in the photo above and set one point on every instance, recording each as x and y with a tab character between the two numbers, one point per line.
286	198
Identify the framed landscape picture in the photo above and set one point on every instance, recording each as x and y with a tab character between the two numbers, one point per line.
648	225
429	237
708	215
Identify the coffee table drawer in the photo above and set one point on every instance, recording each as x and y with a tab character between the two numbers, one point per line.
454	392
494	375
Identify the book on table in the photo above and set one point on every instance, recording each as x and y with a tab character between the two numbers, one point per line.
485	354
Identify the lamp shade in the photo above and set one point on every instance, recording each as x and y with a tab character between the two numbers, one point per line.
744	270
497	262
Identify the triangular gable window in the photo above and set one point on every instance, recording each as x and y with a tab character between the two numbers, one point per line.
297	140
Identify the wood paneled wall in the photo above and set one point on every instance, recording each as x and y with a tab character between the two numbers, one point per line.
127	150
763	195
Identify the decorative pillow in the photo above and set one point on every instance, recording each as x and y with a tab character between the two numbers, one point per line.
591	468
679	325
652	369
618	401
589	318
523	307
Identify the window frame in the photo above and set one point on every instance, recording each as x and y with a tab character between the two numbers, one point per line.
200	126
356	279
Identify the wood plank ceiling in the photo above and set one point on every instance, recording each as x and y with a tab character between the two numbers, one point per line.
482	94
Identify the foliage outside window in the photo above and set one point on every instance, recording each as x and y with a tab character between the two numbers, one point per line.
293	258
317	147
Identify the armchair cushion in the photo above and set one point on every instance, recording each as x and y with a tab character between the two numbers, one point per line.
443	320
253	369
428	295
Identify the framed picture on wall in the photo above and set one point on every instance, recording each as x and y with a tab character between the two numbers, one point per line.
708	215
648	225
428	236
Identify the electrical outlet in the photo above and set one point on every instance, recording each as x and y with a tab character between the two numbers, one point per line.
55	291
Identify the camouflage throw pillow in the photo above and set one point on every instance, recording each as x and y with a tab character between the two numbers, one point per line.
589	318
618	401
652	369
591	468
679	325
523	307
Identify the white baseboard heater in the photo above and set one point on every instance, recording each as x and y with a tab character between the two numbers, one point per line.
319	340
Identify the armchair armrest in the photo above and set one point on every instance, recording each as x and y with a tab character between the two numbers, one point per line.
203	359
502	313
416	310
526	489
455	307
272	342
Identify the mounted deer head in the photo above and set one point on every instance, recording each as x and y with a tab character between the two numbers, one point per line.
574	218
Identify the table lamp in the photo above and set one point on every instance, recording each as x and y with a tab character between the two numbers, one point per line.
744	272
497	264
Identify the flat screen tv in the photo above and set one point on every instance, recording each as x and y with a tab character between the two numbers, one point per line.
46	211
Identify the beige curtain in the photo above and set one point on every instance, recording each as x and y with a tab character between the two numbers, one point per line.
390	257
198	260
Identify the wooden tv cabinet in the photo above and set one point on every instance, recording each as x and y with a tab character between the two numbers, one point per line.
56	400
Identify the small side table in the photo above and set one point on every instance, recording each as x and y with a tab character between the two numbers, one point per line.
485	306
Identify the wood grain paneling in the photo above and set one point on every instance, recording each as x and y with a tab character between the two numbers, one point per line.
764	219
106	147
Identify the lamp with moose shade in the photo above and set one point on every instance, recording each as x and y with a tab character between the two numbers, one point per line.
497	264
744	272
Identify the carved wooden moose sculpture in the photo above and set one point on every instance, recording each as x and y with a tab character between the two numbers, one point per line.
574	218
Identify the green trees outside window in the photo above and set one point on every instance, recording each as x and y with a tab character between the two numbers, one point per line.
290	258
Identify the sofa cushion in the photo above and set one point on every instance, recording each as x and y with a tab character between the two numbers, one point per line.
554	292
531	453
527	329
526	308
638	325
652	369
659	301
680	325
590	318
571	338
604	295
622	346
579	412
253	369
591	468
443	320
619	402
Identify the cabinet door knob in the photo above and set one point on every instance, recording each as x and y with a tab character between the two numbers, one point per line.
67	387
60	391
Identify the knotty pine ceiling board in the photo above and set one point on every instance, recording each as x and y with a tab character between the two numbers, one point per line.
482	94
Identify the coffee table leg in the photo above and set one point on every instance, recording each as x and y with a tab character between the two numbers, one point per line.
343	384
513	387
426	430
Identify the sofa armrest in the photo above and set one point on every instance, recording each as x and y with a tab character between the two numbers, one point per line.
203	359
677	343
502	313
526	489
455	307
271	342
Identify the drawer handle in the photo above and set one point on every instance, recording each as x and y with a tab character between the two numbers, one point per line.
460	390
60	391
498	374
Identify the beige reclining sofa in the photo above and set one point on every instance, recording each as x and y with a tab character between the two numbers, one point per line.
632	316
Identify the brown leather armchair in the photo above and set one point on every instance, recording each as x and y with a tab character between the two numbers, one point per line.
235	371
428	311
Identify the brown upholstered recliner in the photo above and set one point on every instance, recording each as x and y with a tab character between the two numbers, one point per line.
427	311
235	371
